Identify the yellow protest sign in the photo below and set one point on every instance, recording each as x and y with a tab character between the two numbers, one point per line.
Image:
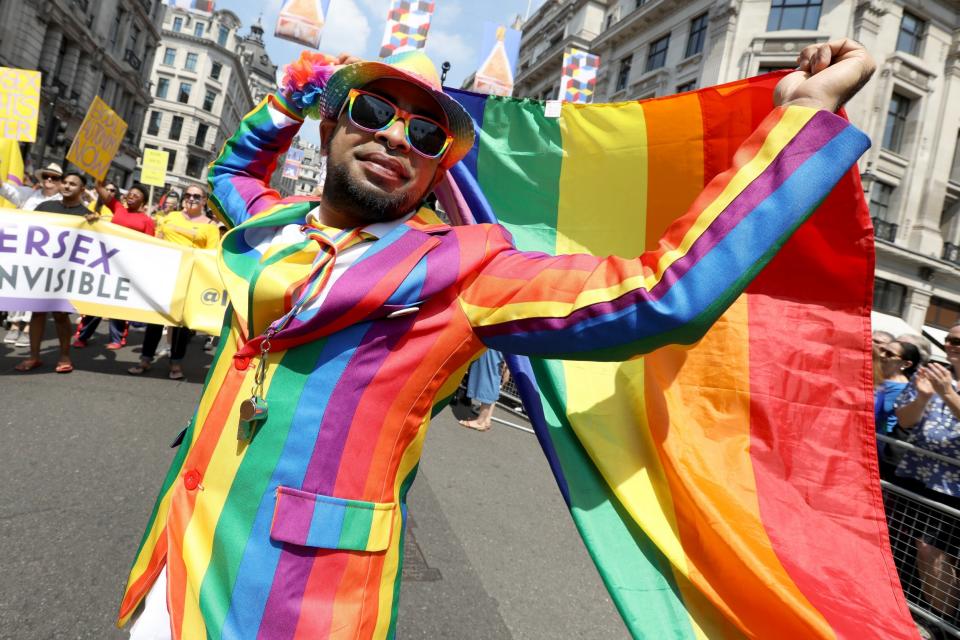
97	140
19	104
153	170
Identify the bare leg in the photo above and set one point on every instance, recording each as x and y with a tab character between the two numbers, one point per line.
37	323
64	331
483	420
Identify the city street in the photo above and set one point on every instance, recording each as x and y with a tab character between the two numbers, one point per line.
492	551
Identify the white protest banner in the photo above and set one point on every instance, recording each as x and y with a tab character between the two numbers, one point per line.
55	262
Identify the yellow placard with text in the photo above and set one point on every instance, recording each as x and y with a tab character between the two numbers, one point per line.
97	140
153	170
19	104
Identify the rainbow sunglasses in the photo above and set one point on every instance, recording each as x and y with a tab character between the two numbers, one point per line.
373	113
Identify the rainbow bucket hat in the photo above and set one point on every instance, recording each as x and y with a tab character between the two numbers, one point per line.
414	67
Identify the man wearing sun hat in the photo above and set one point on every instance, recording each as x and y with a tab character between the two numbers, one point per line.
353	316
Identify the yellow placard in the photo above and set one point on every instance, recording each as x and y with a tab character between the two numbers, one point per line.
19	104
97	140
153	171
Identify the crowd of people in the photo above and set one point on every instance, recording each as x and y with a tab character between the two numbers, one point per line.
917	401
182	221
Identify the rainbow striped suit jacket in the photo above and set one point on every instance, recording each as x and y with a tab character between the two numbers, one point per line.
299	534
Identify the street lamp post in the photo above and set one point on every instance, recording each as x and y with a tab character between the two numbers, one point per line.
445	68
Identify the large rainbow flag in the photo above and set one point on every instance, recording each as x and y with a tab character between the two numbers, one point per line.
728	489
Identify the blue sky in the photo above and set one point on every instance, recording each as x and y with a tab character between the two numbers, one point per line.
356	26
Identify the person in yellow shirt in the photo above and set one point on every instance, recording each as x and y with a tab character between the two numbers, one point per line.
188	227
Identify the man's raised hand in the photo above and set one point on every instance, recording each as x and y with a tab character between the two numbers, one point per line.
827	75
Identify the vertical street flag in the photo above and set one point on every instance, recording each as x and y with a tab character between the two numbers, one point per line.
302	21
97	140
293	164
19	104
153	170
728	488
408	22
498	60
579	76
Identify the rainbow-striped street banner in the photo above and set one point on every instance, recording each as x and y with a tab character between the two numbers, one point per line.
408	22
726	489
579	76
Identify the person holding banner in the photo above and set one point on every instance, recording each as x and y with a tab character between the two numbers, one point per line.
72	186
190	228
351	317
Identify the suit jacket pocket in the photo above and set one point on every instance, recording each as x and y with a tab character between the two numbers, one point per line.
326	522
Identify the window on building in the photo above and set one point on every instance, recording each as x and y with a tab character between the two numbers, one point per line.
134	38
191	63
215	70
772	66
177	23
195	166
171	159
169	56
897	114
610	19
208	99
623	73
657	55
163	87
639	3
888	297
198	28
698	35
955	168
201	137
911	33
942	314
794	14
222	34
153	125
115	27
881	195
184	94
176	127
687	86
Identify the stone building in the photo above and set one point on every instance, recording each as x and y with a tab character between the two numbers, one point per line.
200	91
910	109
552	29
83	49
313	170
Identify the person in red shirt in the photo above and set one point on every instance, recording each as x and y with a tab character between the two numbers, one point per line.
132	216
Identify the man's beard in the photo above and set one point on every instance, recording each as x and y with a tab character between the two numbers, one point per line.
362	203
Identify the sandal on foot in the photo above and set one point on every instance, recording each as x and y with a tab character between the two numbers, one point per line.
29	365
139	369
469	424
64	367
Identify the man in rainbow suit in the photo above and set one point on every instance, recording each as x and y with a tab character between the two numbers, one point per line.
354	316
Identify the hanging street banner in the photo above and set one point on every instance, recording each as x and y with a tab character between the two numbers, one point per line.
97	140
153	170
19	104
499	50
302	21
205	6
293	164
408	22
56	262
579	76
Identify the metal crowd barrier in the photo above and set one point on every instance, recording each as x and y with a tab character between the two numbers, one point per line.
925	541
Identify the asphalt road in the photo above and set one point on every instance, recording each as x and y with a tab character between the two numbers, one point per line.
493	552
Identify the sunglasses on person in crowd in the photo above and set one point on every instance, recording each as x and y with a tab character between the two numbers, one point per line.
51	178
193	196
953	341
371	112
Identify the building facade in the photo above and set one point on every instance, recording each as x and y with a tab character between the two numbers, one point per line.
552	29
200	92
83	49
910	109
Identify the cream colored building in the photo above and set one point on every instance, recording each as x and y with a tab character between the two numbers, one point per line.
910	109
200	91
83	48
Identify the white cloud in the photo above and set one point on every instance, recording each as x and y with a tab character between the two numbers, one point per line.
347	29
